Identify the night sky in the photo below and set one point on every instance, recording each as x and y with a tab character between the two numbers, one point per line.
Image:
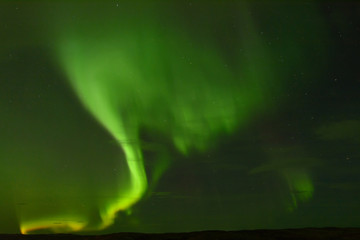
177	116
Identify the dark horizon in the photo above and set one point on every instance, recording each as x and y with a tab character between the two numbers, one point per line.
303	234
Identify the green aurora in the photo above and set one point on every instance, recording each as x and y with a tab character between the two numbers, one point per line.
162	69
159	79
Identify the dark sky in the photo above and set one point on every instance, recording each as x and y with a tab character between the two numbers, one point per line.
175	116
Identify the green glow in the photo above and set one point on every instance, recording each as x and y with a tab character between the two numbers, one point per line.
292	170
126	90
147	77
300	185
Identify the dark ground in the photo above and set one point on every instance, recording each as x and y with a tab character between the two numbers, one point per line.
294	234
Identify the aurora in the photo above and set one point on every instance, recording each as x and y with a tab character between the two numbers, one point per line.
170	117
147	77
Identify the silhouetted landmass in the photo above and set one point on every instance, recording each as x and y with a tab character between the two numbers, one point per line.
293	234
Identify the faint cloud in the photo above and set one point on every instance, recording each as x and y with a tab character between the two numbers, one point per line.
350	186
345	129
284	163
